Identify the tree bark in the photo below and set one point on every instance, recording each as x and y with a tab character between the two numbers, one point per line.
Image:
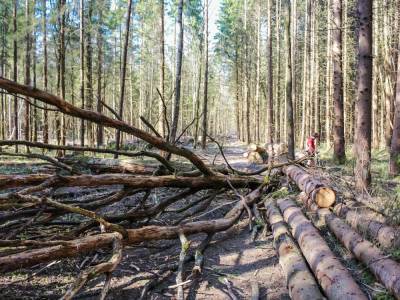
45	72
364	96
27	69
161	109
100	129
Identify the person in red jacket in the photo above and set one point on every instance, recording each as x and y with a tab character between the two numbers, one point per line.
312	146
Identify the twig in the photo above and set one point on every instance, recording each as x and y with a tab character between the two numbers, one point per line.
230	291
111	110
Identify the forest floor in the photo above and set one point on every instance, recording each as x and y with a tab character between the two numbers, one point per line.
232	255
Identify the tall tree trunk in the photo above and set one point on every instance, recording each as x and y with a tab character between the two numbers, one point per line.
27	70
179	54
15	71
205	99
161	111
82	67
289	94
123	73
394	162
100	129
61	130
45	70
364	95
328	80
89	71
257	96
271	124
339	153
277	130
305	87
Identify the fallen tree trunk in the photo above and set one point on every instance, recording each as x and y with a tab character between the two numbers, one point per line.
333	277
387	236
299	280
386	270
39	145
84	245
10	181
316	191
98	118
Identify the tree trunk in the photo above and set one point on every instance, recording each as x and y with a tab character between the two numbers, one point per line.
305	87
27	70
15	71
123	74
89	72
394	162
100	129
270	80
82	67
289	92
179	54
339	153
364	96
205	99
161	110
325	265
45	72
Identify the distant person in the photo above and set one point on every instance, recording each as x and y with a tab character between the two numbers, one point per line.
312	147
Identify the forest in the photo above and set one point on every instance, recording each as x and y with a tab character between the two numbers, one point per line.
200	149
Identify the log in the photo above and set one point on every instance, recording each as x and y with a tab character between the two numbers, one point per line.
317	192
386	270
334	279
387	236
299	279
10	181
84	245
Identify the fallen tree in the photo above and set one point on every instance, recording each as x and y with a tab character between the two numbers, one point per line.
299	280
316	191
385	269
334	279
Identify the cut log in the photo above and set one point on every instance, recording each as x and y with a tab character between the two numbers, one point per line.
387	236
299	279
316	191
334	279
386	270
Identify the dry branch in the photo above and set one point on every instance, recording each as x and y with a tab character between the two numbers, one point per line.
333	277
